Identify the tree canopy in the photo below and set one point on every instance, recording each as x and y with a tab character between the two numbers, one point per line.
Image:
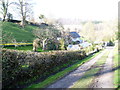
47	33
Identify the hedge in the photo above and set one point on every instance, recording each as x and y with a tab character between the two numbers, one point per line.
20	66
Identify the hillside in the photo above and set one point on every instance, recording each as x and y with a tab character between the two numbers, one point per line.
17	32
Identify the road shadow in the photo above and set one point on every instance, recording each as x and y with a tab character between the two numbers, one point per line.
99	73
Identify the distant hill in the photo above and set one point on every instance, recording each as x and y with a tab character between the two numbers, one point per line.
18	32
68	21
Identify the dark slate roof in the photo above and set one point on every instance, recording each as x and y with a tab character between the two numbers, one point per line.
74	34
15	21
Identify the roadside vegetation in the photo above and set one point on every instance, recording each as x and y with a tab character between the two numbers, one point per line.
62	73
116	65
25	67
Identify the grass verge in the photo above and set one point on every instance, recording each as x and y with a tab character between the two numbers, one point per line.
116	74
89	76
59	75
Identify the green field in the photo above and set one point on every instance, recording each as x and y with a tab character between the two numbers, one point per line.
17	32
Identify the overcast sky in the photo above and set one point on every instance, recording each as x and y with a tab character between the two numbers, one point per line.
82	9
76	9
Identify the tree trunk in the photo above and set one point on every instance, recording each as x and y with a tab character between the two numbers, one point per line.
5	9
44	43
23	21
4	16
22	8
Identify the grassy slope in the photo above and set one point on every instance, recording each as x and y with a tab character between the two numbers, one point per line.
18	32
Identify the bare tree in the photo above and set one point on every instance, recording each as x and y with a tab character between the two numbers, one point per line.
43	18
31	18
4	8
25	9
9	16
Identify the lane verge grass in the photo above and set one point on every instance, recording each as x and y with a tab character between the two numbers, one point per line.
116	73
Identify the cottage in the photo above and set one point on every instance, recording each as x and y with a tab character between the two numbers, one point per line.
73	47
75	37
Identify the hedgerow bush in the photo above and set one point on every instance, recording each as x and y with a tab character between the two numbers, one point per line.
89	49
20	66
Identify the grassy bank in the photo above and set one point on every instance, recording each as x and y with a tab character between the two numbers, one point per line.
17	32
61	74
116	73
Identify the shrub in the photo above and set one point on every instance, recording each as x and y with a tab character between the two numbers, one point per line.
110	43
20	66
61	44
89	49
51	45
